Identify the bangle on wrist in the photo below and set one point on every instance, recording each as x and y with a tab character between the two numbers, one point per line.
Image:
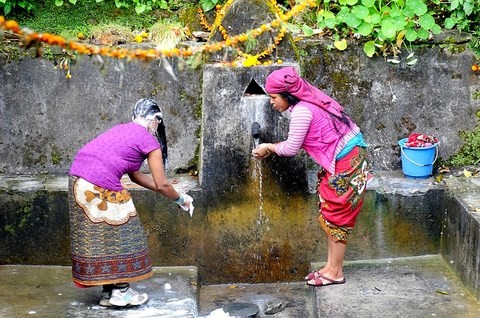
180	200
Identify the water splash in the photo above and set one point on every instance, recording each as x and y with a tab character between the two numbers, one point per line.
262	220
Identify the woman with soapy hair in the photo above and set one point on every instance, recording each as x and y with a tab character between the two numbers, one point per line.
319	125
108	242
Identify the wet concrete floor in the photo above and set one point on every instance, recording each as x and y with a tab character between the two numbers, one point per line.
413	287
422	286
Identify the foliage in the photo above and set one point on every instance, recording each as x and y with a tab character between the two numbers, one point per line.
208	5
463	14
141	6
19	5
69	20
469	153
386	24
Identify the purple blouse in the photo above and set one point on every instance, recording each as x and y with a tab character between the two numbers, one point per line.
104	160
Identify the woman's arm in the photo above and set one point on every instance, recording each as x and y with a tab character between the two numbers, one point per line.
158	182
298	128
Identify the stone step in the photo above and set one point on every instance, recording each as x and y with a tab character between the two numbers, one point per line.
421	286
48	291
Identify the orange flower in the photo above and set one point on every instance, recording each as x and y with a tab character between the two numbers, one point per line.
13	26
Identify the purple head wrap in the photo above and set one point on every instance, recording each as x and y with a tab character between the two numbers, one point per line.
287	80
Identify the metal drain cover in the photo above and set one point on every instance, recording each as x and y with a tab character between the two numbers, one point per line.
241	310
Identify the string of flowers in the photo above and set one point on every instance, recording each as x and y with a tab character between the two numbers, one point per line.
249	59
33	39
203	19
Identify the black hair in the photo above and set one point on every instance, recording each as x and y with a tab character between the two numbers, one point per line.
343	119
291	100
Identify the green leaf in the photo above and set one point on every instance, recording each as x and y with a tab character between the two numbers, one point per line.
207	5
140	8
421	9
360	12
436	29
328	15
365	29
408	12
373	19
454	5
411	35
368	3
449	23
395	12
72	1
351	20
369	48
343	13
340	44
331	23
308	31
321	25
423	34
427	22
399	23
7	8
388	29
468	7
59	3
352	2
163	5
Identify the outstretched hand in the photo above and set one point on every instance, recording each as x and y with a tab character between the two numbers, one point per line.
261	151
188	204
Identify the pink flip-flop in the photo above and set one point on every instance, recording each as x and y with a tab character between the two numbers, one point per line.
322	280
312	275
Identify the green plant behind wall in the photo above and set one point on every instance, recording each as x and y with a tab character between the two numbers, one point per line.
10	5
469	153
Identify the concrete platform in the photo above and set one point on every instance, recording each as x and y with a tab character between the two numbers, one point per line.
48	291
422	286
410	287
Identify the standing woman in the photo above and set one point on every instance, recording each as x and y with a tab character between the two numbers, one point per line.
108	242
319	125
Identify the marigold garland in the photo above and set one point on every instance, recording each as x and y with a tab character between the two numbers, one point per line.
30	39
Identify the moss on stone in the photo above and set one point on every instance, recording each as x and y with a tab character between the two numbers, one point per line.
56	157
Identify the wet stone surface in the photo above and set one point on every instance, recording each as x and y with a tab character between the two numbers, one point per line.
279	300
412	287
48	291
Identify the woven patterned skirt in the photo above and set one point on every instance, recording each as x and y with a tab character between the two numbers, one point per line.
108	242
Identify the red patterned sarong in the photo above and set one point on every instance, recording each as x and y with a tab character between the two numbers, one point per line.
341	194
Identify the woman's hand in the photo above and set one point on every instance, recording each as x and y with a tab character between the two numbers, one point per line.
185	202
261	151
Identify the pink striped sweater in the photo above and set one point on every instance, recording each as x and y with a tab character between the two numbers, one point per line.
312	128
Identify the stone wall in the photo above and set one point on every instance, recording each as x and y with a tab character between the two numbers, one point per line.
46	117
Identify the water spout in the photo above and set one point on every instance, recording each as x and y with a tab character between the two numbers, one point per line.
256	130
